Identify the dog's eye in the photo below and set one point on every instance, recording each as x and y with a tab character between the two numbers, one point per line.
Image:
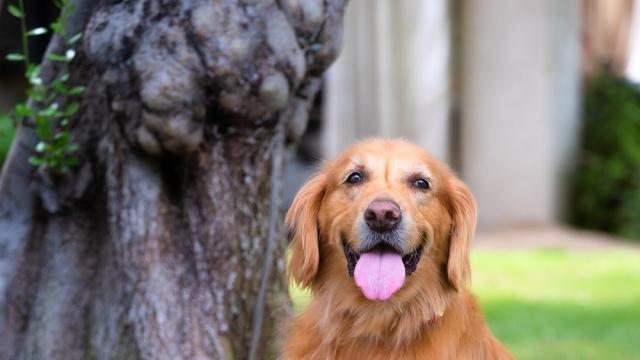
421	184
355	178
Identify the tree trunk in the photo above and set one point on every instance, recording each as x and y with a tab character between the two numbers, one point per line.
155	245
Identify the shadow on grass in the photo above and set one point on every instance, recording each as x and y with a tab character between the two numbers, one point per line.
563	330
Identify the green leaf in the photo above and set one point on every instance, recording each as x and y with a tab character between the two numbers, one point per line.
36	94
37	31
49	113
76	90
23	110
35	80
53	162
36	160
33	69
59	87
71	8
15	57
71	148
70	54
43	130
70	161
71	109
41	146
33	74
74	39
15	11
61	140
57	27
56	57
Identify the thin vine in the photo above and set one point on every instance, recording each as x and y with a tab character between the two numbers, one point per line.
54	148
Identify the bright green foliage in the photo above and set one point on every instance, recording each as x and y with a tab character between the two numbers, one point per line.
45	108
553	304
6	135
607	180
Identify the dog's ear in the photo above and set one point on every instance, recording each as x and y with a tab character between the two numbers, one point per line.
464	213
302	220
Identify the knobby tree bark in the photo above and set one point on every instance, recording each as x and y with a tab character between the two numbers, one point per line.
153	247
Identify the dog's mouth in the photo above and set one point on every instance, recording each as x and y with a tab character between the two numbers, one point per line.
380	271
410	261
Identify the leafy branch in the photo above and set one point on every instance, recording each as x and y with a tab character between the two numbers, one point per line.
52	103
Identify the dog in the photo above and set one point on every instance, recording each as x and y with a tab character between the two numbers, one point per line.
381	237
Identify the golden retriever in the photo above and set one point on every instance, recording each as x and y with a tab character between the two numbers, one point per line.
381	237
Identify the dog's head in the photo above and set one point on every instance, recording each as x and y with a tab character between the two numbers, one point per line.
383	220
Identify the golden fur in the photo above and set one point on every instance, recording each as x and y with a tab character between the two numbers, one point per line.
340	323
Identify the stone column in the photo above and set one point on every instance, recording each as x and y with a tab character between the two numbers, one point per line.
520	82
392	78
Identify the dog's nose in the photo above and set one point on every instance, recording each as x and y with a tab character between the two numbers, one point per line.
382	215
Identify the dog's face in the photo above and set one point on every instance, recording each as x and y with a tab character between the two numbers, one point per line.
385	220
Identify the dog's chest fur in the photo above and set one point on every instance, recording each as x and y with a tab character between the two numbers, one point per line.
460	334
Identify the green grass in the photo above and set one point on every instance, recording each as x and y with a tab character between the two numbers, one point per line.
553	304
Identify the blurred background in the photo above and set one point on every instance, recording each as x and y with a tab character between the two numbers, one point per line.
536	105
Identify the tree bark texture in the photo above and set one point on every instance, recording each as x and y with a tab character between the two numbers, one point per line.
153	247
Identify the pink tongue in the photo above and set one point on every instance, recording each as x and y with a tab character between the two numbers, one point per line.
379	274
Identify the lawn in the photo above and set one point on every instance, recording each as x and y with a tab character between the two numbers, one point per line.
553	304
